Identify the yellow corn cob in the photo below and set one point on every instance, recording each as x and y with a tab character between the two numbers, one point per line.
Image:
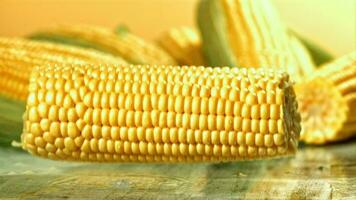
184	45
19	56
328	102
250	34
159	113
126	45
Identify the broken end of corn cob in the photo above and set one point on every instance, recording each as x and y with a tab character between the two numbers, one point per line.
160	114
323	111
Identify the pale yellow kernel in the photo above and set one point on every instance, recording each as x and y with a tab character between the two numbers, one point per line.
192	149
196	105
72	115
149	135
102	145
232	138
213	105
224	136
171	119
198	138
234	95
69	144
33	115
29	138
237	108
220	122
59	143
119	147
250	139
194	121
105	132
237	123
251	99
68	102
241	138
212	122
96	116
32	99
54	129
122	117
206	137
185	120
45	123
251	151
263	126
229	108
246	111
264	111
243	93
114	132
255	112
113	117
179	104
121	101
50	97
135	148
80	109
272	126
96	131
279	96
183	149
94	145
215	137
79	141
268	140
64	129
234	150
105	116
187	104
242	151
174	134
39	142
104	101
255	125
127	147
142	147
280	126
186	90
200	149
271	98
129	102
203	122
274	111
261	97
246	125
50	148
221	107
151	150
208	150
146	119
204	106
278	139
162	121
43	110
87	132
225	150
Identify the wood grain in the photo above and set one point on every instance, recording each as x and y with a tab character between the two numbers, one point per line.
314	173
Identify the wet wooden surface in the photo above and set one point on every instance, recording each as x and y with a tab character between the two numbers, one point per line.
327	172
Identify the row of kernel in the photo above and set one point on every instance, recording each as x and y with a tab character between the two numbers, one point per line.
56	131
147	148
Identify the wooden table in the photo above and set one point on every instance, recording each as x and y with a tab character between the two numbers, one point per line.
314	173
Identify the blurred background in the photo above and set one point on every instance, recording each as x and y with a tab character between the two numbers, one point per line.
330	23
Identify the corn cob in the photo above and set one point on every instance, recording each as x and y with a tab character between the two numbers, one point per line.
159	113
328	102
183	44
250	34
19	56
124	44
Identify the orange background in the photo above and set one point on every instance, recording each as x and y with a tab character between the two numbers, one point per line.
331	23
